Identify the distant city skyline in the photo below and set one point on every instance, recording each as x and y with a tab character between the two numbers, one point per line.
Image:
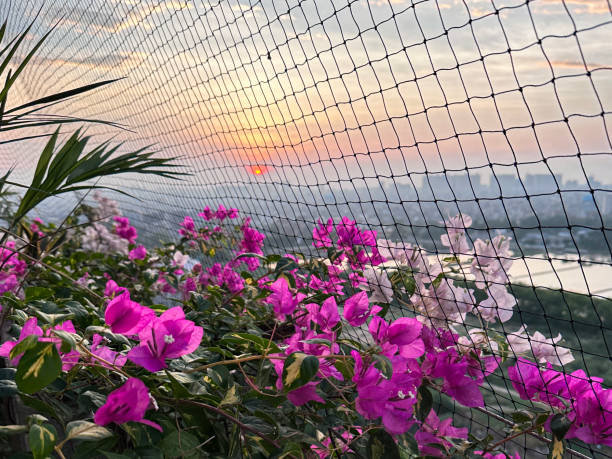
237	84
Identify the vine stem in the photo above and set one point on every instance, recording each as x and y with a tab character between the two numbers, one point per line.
229	417
254	357
96	357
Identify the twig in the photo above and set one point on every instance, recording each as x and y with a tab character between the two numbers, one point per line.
229	417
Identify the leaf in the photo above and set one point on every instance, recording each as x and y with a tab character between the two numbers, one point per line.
424	403
521	417
285	264
37	293
556	449
85	430
230	397
178	390
13	429
8	388
38	368
382	446
27	343
260	343
42	439
110	455
384	364
180	444
299	368
559	425
68	340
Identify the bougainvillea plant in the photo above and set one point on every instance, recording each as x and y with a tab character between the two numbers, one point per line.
209	347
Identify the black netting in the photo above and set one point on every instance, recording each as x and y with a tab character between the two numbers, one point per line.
396	113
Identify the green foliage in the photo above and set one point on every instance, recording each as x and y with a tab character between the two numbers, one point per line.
39	367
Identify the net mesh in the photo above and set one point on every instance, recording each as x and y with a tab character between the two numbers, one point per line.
396	113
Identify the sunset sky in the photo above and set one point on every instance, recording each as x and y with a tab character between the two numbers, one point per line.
312	91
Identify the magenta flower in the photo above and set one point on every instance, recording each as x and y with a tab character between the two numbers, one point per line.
168	337
405	333
207	214
357	309
125	316
128	403
106	353
350	235
435	432
71	358
111	289
252	241
125	230
29	328
306	393
281	299
188	228
321	233
326	316
139	253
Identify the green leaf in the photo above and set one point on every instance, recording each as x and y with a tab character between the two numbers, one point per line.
559	425
424	403
38	368
260	343
36	419
27	343
382	446
110	455
37	293
299	368
230	397
85	430
42	439
521	417
384	364
178	390
285	264
180	444
68	340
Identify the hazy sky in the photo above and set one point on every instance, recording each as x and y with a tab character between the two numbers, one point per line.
312	91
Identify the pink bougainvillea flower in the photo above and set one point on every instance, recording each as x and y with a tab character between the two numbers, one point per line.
497	455
105	353
306	393
111	289
282	300
357	309
435	432
326	316
125	316
403	335
207	214
350	235
124	230
128	403
29	328
321	233
188	228
71	358
139	253
168	337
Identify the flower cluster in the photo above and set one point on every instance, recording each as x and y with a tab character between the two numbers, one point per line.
587	405
336	340
12	268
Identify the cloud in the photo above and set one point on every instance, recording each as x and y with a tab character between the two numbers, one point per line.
578	6
575	65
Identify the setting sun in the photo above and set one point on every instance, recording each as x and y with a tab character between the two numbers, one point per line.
257	170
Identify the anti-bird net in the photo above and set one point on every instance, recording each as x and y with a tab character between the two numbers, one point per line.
395	113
